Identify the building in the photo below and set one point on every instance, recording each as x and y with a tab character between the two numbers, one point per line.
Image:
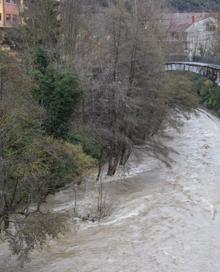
193	33
9	13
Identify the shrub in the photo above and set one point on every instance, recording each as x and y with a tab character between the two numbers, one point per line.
89	145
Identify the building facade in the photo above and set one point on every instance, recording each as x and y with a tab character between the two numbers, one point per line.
201	37
193	33
9	13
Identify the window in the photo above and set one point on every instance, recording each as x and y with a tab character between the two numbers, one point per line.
8	17
14	19
11	1
0	16
211	27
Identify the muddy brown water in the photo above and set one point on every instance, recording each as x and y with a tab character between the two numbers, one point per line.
162	219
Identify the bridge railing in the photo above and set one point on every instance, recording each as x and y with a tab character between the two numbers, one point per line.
203	59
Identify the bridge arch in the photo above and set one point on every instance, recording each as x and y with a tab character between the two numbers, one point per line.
209	71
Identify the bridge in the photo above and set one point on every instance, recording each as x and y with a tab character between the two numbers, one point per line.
210	71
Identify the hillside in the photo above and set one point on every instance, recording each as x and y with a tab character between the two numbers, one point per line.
196	5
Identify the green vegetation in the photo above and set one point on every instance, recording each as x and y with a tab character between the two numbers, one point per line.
37	102
189	90
208	92
33	164
58	92
181	89
89	145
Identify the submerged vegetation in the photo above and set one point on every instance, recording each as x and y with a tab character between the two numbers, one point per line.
197	90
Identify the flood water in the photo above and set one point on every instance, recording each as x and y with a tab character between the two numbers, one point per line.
162	219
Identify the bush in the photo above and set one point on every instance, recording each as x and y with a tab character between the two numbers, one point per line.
181	92
33	166
90	147
46	163
209	93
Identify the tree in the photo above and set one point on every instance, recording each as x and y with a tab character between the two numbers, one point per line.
71	23
40	28
118	54
32	165
124	63
58	93
41	23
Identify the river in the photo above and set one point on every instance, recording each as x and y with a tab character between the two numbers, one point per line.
162	219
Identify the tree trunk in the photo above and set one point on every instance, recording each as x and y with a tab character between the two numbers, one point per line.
113	164
125	156
6	221
100	166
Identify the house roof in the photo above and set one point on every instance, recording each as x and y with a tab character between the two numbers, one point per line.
179	22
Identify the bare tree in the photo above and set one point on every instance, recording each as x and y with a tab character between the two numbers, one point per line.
121	65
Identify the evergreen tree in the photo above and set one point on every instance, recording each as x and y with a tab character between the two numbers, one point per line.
58	92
